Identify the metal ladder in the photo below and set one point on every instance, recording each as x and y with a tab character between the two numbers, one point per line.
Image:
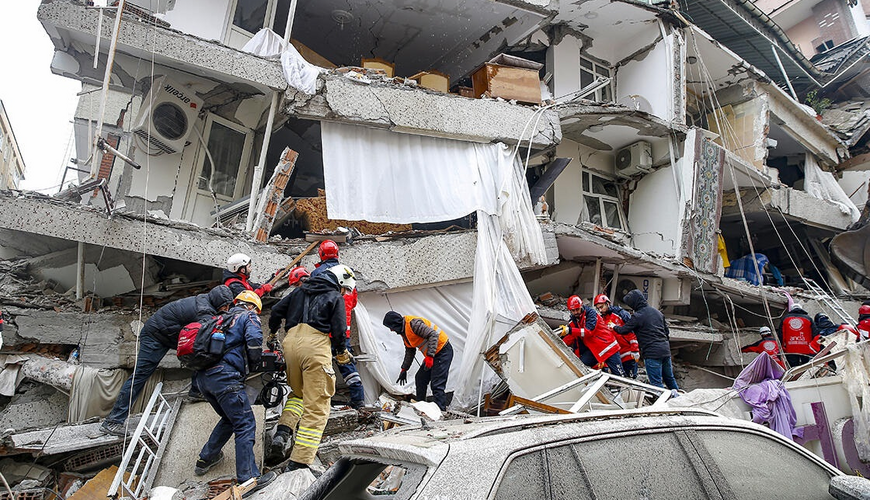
148	444
829	301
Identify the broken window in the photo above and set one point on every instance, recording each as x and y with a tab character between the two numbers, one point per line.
601	202
229	148
589	71
252	15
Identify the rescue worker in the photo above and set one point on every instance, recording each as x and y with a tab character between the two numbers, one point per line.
237	274
797	334
593	342
420	333
157	337
766	344
629	351
824	327
864	321
297	277
314	311
328	252
223	386
653	338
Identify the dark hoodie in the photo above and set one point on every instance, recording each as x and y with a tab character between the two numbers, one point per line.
649	325
325	308
824	325
168	321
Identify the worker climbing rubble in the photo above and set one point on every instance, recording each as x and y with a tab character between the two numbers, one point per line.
420	333
157	337
328	253
797	334
314	311
223	386
238	273
766	344
297	277
653	337
629	351
864	321
590	337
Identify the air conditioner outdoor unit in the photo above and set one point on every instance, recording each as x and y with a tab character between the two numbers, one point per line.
650	287
634	159
167	115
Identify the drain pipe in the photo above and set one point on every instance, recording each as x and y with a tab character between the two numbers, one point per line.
267	134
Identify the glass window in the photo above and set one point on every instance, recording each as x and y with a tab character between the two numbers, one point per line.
611	214
567	478
593	207
588	72
640	466
525	477
282	9
251	14
226	146
601	199
759	467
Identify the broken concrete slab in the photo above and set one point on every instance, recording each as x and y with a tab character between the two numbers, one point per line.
190	432
62	439
42	406
287	486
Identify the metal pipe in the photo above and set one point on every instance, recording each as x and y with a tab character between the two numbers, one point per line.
107	77
267	134
784	74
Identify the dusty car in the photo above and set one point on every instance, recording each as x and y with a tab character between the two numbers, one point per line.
619	455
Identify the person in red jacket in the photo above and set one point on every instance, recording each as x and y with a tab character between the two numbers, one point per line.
766	344
864	321
590	337
237	274
797	335
629	350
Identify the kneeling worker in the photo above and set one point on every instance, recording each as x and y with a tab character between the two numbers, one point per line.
223	386
420	333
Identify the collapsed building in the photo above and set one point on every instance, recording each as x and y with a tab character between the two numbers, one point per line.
487	159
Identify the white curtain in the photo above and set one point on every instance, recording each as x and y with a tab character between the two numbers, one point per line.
382	176
824	186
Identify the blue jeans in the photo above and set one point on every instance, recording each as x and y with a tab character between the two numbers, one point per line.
658	369
223	388
151	352
436	377
613	364
630	368
351	378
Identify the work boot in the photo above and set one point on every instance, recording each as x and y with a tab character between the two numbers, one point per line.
279	444
203	466
262	482
295	466
195	397
113	428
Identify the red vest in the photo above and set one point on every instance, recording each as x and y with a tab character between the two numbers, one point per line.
349	303
864	328
601	341
236	279
797	335
628	342
768	345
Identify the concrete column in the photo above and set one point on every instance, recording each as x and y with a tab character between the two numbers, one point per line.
563	59
80	271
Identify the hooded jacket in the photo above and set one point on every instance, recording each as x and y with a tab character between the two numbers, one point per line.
649	325
325	308
797	333
168	321
244	333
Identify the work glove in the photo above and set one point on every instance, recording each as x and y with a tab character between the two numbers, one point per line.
562	331
266	288
599	366
344	357
428	361
403	377
635	356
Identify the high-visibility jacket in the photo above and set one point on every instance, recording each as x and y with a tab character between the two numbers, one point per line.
628	342
766	344
600	340
797	335
863	328
350	300
412	340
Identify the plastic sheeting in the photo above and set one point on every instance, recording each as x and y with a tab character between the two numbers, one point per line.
759	386
299	73
856	373
824	186
266	43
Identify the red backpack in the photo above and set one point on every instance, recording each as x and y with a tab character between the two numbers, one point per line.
194	349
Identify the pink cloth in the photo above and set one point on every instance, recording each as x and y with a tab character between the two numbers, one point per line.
759	386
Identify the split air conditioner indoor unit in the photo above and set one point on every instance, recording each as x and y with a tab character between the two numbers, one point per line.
650	287
634	159
167	115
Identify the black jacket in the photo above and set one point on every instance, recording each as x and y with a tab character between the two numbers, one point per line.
649	325
168	321
325	309
237	287
279	311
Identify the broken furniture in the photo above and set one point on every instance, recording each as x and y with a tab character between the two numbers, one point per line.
509	77
433	80
378	63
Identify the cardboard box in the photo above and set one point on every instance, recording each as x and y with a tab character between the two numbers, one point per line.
508	77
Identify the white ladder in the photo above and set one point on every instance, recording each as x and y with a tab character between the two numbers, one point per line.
150	440
829	301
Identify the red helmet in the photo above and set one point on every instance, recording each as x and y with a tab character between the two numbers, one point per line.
328	250
864	310
574	303
296	274
601	299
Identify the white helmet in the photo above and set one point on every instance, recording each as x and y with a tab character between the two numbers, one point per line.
764	330
345	276
237	261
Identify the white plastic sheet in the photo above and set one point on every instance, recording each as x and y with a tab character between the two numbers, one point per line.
299	73
266	43
856	372
824	186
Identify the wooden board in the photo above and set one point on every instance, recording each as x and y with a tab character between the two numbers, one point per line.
495	80
98	486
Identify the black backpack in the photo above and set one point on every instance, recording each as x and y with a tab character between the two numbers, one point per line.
194	342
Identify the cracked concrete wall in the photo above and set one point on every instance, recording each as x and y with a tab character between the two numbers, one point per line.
416	111
648	75
803	127
793	202
745	117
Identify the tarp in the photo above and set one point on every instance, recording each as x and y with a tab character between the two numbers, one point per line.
760	387
409	178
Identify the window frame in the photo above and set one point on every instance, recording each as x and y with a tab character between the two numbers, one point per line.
587	191
596	66
244	161
232	31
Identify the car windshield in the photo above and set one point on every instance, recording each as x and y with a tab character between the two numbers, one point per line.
358	479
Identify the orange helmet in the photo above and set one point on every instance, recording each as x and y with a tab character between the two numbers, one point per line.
574	303
296	274
601	299
328	250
